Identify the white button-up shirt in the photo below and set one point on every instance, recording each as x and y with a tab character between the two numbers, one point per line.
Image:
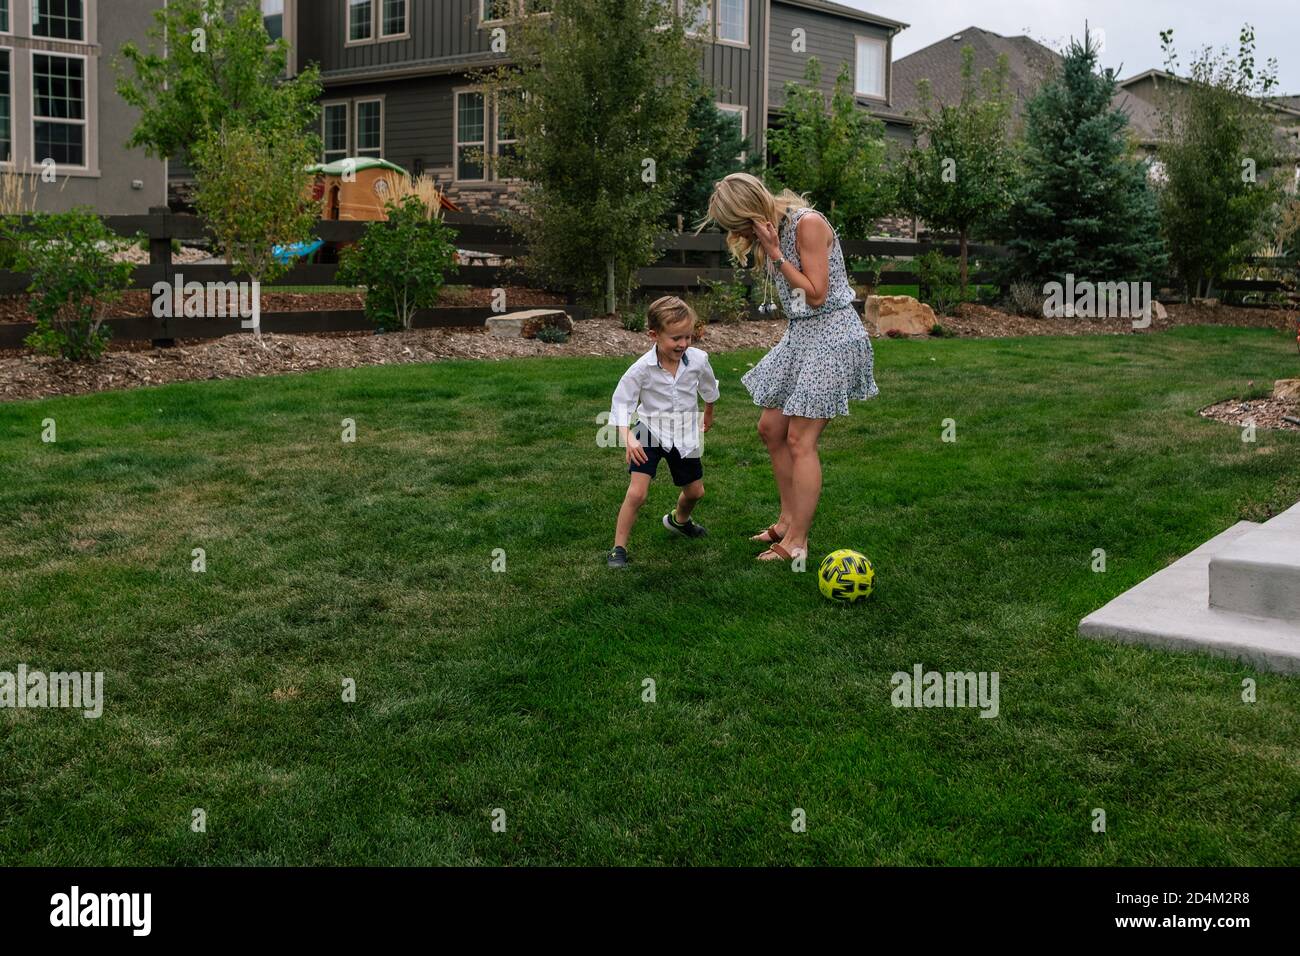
667	404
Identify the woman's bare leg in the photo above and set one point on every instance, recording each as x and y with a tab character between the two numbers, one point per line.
772	428
802	435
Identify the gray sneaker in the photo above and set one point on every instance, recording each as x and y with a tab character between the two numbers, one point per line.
688	530
617	557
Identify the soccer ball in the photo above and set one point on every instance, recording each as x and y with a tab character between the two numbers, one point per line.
846	575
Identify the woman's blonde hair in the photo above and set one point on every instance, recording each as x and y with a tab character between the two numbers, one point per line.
737	201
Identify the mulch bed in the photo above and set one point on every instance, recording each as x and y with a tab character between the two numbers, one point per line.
1264	412
136	364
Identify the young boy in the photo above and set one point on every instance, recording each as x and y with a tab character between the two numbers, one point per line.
663	388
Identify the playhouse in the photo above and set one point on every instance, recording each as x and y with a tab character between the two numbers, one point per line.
356	189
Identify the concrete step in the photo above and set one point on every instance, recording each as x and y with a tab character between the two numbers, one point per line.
1259	573
1171	610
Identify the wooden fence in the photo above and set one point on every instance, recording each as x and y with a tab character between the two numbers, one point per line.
686	263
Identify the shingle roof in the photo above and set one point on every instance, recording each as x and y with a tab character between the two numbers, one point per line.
1028	64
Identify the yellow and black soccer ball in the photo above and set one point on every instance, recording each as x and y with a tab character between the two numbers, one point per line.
846	575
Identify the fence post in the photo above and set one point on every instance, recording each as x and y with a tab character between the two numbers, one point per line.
160	254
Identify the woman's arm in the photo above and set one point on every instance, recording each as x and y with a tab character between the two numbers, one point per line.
813	240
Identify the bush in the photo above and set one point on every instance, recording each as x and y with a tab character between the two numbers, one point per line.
940	280
940	331
1027	299
552	335
75	279
634	320
401	263
725	302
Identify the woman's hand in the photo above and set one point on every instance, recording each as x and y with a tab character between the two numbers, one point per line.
765	233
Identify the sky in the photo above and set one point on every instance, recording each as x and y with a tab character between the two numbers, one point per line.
1131	27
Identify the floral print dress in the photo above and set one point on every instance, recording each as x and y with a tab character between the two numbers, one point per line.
825	357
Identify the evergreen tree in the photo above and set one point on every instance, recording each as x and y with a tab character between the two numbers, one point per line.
959	176
1085	206
718	147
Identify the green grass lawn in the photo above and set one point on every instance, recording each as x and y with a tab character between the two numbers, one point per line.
522	690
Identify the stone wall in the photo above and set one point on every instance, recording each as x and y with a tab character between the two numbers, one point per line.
480	199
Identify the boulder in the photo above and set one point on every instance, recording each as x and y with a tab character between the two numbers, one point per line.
901	314
515	325
1287	389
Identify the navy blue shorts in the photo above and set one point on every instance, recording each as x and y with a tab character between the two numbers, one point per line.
684	470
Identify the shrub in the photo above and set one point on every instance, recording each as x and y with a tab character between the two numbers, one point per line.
725	302
552	335
634	320
940	331
1026	298
70	257
401	263
940	280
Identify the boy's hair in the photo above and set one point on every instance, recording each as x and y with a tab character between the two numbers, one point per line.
665	311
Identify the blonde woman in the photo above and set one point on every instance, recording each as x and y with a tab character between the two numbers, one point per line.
823	360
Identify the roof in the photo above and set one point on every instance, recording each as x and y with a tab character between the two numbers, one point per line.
1028	64
355	164
851	13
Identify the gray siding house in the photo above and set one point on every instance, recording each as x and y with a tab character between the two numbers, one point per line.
398	74
58	104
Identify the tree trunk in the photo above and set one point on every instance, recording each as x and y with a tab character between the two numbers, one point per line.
611	304
965	275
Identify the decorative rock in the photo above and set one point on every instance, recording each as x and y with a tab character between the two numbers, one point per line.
1287	389
505	327
901	314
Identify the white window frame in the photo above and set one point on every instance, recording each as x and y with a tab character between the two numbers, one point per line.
743	113
9	31
13	112
347	129
347	24
284	17
455	134
356	137
709	30
378	32
717	24
497	141
87	91
883	95
30	7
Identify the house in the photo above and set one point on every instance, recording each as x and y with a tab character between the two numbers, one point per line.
398	74
1029	62
59	110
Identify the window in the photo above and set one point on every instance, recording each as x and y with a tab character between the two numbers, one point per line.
59	19
273	18
703	16
394	19
490	10
6	128
471	129
506	135
4	16
733	25
370	128
361	15
871	65
59	108
334	132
